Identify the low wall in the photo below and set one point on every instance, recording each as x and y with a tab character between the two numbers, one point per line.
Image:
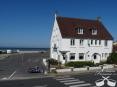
21	52
63	70
108	66
79	69
84	69
94	68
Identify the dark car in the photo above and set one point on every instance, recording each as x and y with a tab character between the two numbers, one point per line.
35	69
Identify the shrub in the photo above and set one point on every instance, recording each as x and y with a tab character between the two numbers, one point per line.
77	64
53	62
112	59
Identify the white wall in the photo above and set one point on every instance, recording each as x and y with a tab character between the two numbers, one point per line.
55	39
88	50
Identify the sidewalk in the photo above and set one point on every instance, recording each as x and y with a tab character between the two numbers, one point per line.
72	73
79	72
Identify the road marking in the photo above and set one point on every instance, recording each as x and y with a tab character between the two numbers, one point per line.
5	78
70	80
81	85
64	78
12	75
40	86
71	83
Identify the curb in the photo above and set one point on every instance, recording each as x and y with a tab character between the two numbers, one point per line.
72	73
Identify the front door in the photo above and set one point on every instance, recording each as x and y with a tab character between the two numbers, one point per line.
96	58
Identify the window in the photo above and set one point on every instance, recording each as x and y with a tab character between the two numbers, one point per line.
94	32
81	42
95	42
106	43
80	30
91	42
81	56
88	41
99	42
55	48
72	56
95	56
72	42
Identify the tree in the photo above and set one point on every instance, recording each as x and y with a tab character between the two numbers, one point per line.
112	58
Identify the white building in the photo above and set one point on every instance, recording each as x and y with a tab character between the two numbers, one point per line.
8	51
76	39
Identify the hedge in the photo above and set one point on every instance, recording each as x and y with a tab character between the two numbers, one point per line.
53	62
77	64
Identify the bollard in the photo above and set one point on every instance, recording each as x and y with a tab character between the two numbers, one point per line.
101	66
87	67
72	69
45	72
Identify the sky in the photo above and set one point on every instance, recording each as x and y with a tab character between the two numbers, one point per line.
28	23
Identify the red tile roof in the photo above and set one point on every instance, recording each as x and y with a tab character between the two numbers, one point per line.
67	28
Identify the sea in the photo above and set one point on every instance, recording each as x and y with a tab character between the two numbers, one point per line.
14	49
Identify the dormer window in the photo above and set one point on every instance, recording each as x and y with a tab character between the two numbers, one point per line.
79	30
94	31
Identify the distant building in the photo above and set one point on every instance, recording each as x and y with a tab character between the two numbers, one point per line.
8	51
115	43
75	39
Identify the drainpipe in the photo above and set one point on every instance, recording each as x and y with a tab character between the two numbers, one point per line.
86	55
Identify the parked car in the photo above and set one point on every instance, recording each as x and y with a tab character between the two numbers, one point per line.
35	69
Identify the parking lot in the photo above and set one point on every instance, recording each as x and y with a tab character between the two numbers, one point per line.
16	65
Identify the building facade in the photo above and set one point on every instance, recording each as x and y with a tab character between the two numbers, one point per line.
76	39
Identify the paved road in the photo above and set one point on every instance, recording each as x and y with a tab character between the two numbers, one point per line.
47	82
81	80
40	82
89	79
17	64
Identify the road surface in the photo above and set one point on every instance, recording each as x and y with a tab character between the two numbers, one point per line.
16	65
